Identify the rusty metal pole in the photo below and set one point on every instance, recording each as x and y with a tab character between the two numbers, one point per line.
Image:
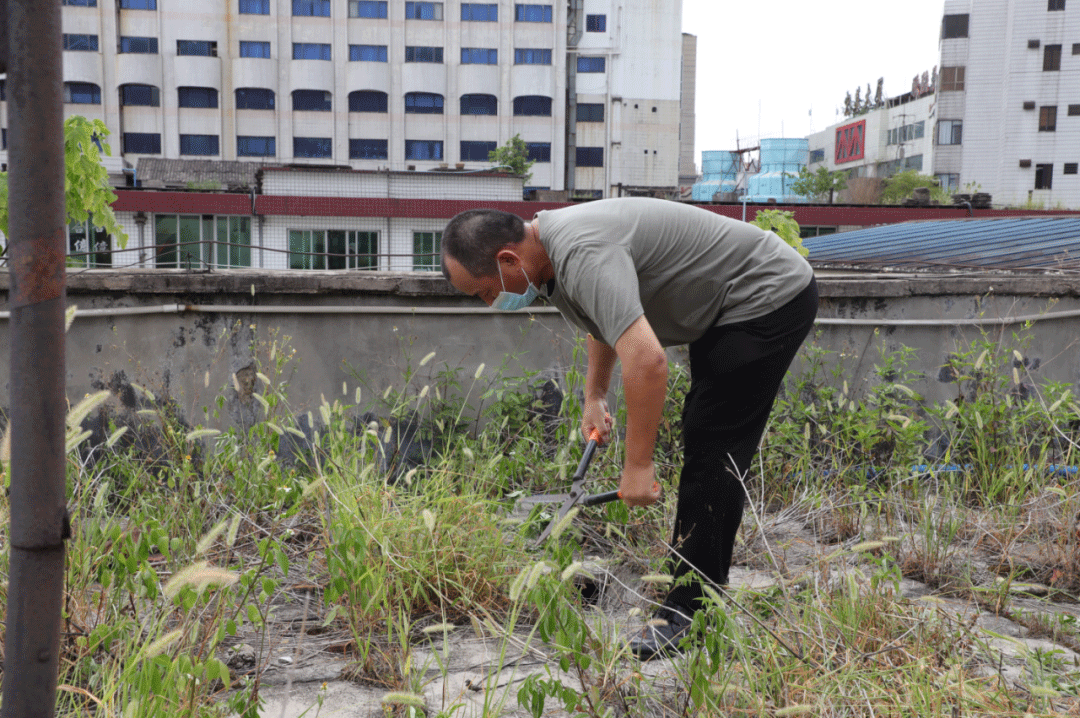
39	521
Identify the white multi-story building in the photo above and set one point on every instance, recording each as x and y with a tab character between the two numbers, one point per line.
386	83
1009	100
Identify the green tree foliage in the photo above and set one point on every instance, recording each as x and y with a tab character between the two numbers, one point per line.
900	185
817	185
86	181
515	155
784	225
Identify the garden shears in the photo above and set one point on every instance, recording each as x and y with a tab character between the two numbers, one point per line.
577	495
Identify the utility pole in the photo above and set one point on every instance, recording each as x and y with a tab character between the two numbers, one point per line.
36	258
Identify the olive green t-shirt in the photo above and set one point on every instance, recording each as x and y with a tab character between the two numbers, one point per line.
685	268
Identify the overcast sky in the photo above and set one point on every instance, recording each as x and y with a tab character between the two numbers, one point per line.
763	65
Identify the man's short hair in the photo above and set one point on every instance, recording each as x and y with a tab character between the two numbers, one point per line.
474	236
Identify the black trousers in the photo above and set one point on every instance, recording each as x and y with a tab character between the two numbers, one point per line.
735	373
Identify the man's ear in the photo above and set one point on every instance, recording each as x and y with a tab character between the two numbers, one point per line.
507	257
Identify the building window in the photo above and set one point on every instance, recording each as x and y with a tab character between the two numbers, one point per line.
250	146
307	249
950	132
88	246
199	48
138	4
423	10
950	182
423	103
368	101
233	242
954	26
367	53
1044	176
81	43
479	12
1048	118
1053	5
476	151
82	93
532	13
1074	110
203	145
201	97
479	56
142	45
596	23
250	48
590	157
1051	58
952	79
192	240
80	3
369	149
310	51
817	156
426	247
527	56
142	143
423	149
363	249
333	249
311	8
1070	168
590	112
539	151
479	105
254	98
532	106
254	7
591	64
423	54
178	240
312	147
1076	48
139	96
375	9
312	100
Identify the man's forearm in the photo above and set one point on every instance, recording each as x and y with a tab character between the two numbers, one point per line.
598	374
645	387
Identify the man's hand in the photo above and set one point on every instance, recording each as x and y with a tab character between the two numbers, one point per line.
638	486
595	416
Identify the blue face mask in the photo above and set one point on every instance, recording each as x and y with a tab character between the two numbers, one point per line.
510	302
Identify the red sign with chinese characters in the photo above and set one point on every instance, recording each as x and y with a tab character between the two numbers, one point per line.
850	142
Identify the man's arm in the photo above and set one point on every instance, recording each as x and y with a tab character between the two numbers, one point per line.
644	375
594	414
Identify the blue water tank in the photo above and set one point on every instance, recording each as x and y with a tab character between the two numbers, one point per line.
781	160
720	173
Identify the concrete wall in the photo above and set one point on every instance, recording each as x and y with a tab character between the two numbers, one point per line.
374	325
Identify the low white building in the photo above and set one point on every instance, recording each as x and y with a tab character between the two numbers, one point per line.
303	218
881	142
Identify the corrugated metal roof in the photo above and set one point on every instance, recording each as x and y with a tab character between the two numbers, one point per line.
1014	243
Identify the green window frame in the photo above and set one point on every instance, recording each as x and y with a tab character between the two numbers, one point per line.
333	249
426	247
199	241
